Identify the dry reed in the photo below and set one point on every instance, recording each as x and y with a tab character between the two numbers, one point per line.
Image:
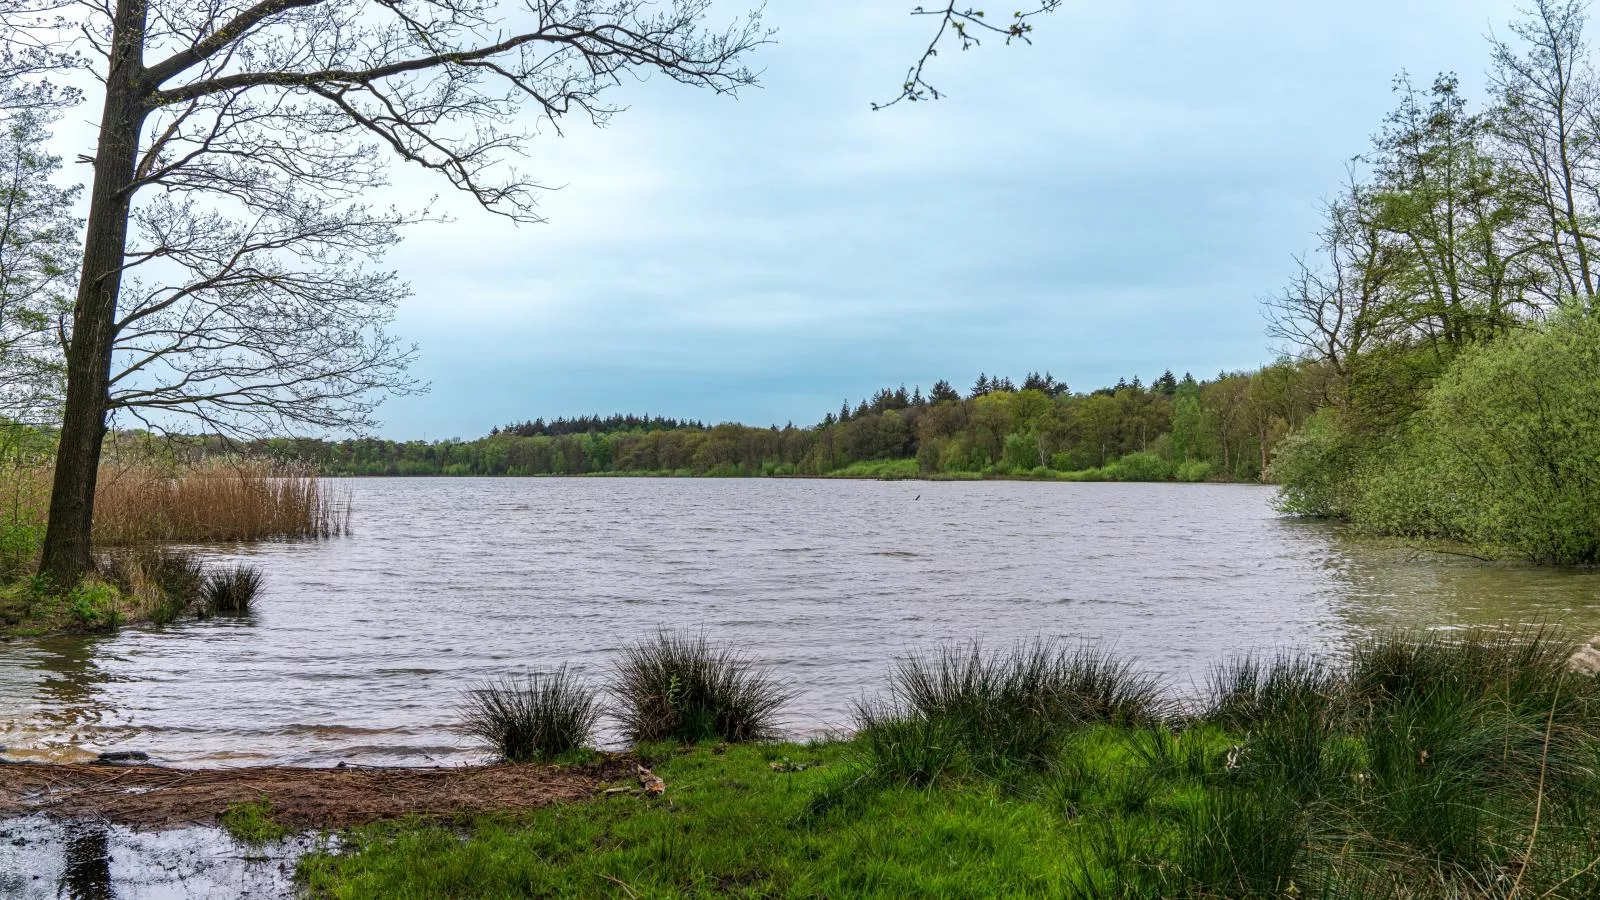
218	500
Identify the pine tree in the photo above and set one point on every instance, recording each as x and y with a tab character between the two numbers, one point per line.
942	392
981	387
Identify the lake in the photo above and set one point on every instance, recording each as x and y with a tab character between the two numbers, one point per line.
360	646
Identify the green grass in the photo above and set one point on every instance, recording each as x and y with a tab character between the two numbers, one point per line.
1421	767
731	824
252	823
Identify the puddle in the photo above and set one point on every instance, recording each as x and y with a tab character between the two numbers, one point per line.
44	858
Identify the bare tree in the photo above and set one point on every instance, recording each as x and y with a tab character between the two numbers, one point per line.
965	27
1343	297
229	258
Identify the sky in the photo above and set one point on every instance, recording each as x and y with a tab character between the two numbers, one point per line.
1112	201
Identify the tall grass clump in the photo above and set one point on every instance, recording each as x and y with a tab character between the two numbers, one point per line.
684	688
966	710
230	591
538	717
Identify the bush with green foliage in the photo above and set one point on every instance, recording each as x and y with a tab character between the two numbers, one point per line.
19	548
1314	469
1505	452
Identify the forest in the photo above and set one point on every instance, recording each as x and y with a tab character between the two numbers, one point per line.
1172	428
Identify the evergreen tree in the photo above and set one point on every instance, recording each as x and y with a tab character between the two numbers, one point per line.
981	387
1166	384
844	411
942	392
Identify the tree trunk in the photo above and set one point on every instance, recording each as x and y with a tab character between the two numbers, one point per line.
94	317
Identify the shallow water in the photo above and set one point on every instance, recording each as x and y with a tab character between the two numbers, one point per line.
361	646
40	858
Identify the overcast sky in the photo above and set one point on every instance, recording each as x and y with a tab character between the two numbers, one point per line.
1110	202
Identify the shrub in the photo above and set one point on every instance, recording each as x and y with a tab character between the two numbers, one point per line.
1504	453
230	591
676	687
1192	471
541	716
1313	468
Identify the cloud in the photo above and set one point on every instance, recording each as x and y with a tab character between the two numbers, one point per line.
1110	201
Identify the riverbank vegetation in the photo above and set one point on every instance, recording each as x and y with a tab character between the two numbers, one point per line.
1453	300
145	504
1418	766
147	584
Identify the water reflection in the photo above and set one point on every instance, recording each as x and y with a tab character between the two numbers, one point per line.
55	686
360	647
42	859
86	874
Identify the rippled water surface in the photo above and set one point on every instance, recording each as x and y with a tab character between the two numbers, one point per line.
361	645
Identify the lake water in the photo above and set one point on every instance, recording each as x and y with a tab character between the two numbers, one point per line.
361	646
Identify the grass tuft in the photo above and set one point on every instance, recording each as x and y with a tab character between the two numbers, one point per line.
964	710
539	717
230	591
684	688
252	823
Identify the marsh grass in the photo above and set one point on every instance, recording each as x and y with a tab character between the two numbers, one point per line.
684	688
230	591
537	717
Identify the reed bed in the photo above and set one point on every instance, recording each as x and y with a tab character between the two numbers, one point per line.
217	500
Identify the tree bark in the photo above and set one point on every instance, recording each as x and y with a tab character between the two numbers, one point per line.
94	316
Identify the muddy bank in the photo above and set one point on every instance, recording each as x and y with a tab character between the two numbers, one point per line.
308	799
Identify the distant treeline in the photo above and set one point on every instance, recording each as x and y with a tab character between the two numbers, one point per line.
1171	428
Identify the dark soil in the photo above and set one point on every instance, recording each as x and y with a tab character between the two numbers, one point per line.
304	798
